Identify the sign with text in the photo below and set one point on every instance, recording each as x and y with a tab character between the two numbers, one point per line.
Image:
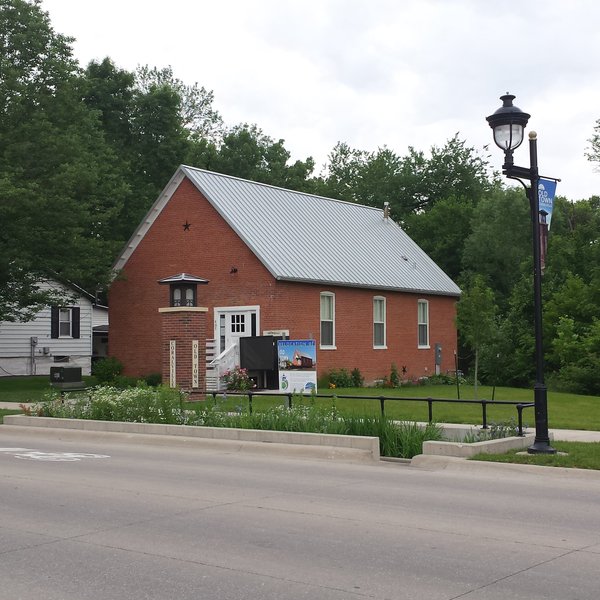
546	192
297	361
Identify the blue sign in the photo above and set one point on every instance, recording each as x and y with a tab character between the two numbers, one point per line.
297	366
546	192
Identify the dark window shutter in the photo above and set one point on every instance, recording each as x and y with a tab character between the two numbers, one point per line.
75	328
54	321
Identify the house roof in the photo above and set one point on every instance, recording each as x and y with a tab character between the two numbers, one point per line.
306	238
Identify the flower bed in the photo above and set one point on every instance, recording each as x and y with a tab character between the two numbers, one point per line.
167	406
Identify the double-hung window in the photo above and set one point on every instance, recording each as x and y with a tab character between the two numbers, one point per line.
64	322
327	320
423	323
379	340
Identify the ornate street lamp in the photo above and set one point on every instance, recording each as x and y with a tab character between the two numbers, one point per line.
508	124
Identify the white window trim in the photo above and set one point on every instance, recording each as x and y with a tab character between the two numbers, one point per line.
419	303
60	322
327	346
218	310
384	345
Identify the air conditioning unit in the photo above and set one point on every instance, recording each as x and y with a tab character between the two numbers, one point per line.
65	374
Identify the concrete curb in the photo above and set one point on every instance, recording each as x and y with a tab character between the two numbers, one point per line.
465	450
325	445
431	462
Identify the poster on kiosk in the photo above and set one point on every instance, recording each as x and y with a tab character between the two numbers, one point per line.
297	366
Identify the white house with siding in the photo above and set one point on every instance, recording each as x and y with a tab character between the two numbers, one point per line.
58	335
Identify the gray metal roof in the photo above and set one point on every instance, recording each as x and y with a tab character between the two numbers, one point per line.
301	237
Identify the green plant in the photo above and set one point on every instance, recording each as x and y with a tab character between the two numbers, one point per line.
237	379
124	382
153	379
340	378
394	376
496	431
357	378
503	429
441	380
383	382
145	404
142	404
107	369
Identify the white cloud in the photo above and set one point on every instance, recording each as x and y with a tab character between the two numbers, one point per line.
370	72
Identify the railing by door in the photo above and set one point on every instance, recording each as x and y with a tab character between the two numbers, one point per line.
218	364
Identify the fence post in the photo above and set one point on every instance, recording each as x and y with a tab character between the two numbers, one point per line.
214	395
382	404
289	402
430	408
520	417
250	402
484	411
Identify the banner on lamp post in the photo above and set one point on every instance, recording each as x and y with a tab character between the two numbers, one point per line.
546	192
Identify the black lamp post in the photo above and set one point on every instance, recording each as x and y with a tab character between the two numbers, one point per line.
508	124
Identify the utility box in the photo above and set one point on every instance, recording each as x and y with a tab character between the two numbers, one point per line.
438	354
258	354
438	359
65	378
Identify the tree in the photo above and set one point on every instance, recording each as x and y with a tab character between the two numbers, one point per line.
476	318
247	152
456	170
593	152
151	120
499	246
411	184
196	112
111	91
442	230
58	178
342	172
579	355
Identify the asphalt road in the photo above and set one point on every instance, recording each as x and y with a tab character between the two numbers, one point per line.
107	518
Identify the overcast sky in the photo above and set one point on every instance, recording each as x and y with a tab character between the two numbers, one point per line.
370	73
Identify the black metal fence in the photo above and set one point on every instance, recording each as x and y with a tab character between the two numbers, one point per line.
520	406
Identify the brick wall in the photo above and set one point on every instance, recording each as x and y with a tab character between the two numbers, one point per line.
211	249
182	328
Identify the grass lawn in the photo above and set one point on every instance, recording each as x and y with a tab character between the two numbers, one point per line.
566	411
25	389
4	412
580	455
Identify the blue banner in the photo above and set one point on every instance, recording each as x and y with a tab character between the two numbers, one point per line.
546	192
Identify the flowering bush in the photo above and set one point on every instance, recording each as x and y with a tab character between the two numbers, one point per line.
237	379
142	404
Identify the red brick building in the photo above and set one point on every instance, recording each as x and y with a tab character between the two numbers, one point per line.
264	260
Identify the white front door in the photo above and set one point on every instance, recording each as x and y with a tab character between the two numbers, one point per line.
234	322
